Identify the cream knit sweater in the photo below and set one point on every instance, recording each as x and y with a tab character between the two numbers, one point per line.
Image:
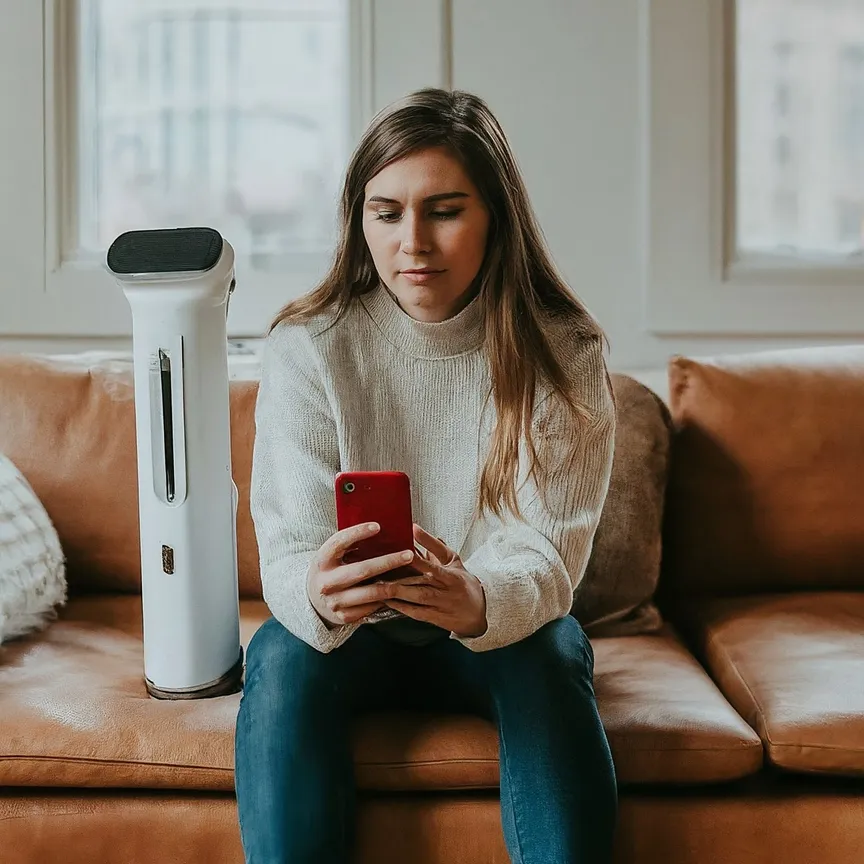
380	390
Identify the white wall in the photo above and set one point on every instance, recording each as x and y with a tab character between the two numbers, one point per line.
567	80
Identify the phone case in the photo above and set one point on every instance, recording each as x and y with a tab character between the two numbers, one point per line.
376	496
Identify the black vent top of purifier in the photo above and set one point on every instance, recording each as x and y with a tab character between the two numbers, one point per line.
165	250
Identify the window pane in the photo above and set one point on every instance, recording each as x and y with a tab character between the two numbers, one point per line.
800	125
227	113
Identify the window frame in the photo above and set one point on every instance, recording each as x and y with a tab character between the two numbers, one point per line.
50	293
696	283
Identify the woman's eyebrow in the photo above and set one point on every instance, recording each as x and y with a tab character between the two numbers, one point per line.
380	199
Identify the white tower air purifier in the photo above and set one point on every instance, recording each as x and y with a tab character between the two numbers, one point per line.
178	283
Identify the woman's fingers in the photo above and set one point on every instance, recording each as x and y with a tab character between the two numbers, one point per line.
435	545
426	555
352	614
347	575
361	600
425	567
421	595
417	612
428	573
339	543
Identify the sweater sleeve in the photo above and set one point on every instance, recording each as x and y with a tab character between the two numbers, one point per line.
295	459
530	568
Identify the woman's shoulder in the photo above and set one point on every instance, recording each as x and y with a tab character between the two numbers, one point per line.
576	341
303	332
295	328
314	341
579	347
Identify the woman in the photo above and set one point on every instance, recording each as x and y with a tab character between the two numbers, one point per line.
443	344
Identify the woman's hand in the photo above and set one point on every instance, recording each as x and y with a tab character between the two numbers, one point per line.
334	587
443	592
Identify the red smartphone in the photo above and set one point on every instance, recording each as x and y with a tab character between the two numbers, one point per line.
376	496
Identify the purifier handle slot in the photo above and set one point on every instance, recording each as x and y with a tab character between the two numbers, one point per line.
167	423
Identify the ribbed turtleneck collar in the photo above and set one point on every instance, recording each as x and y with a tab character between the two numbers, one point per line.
457	335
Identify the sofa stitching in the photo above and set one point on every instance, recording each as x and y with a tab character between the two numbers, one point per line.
762	728
83	760
95	761
743	747
88	812
830	747
714	642
76	813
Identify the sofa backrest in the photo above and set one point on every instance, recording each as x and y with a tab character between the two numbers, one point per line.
766	481
70	428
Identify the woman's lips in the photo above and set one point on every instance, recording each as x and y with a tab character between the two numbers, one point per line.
422	278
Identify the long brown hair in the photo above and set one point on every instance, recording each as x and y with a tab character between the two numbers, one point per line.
518	284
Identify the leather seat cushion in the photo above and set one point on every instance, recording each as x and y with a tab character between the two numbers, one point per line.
793	666
75	713
806	823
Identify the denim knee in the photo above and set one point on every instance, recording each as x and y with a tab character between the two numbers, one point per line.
559	648
279	657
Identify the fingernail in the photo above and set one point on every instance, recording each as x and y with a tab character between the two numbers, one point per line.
407	556
372	526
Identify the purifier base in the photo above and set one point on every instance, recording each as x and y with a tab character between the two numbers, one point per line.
226	684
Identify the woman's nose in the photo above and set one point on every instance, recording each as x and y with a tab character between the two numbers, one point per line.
415	236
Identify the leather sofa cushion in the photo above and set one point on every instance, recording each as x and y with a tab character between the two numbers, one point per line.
802	823
793	666
75	713
70	426
764	489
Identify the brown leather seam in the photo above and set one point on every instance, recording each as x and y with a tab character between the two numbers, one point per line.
76	814
714	642
75	760
818	747
81	760
767	738
742	748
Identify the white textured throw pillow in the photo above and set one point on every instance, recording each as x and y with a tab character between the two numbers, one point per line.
32	565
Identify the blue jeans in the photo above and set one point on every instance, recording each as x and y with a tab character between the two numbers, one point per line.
294	748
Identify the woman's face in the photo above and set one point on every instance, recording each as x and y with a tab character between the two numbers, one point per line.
424	213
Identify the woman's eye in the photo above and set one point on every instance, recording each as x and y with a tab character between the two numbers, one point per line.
389	216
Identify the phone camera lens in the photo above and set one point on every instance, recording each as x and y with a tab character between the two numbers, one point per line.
348	487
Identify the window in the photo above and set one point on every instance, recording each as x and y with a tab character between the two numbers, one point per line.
755	192
850	114
800	99
230	114
782	151
850	223
782	51
784	216
782	98
240	114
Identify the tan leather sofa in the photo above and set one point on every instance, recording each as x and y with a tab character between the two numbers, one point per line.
737	729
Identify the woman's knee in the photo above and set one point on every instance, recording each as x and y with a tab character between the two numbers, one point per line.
559	648
277	656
